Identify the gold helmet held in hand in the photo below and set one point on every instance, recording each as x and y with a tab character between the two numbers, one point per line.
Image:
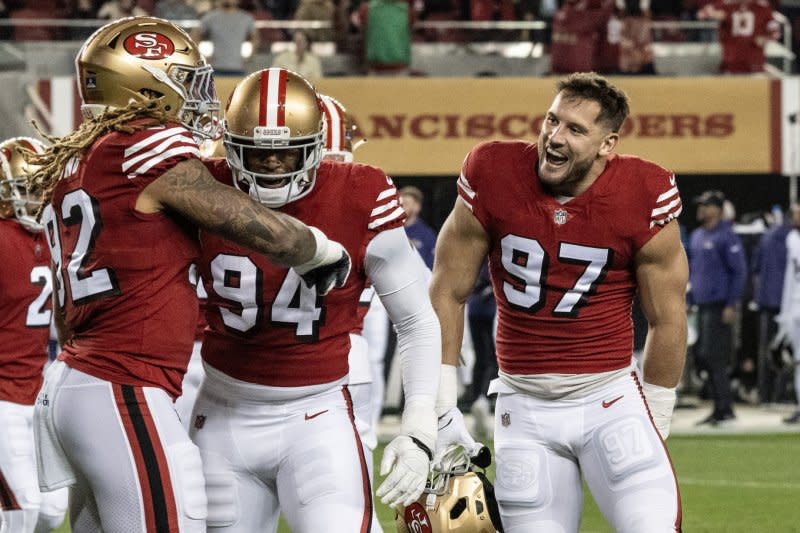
142	58
458	499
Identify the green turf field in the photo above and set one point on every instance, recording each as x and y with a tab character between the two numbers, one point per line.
730	484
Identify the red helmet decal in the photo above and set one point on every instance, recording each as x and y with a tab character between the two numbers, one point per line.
416	519
149	45
6	153
27	145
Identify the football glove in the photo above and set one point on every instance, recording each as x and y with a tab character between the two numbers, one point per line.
453	431
409	465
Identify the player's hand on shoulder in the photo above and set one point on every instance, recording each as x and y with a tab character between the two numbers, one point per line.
330	266
407	465
453	431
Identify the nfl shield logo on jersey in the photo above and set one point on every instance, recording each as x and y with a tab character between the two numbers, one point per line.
505	419
560	216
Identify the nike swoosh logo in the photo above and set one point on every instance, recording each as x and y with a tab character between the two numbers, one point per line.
448	423
315	415
608	404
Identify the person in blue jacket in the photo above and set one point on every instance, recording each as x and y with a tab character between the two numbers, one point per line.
717	275
421	235
769	265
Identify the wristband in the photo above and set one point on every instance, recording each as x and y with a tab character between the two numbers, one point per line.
421	446
321	252
448	389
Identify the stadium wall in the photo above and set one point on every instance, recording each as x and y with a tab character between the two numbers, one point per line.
738	134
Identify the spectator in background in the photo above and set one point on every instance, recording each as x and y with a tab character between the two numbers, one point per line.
232	32
717	274
481	310
636	39
300	59
608	36
386	27
745	26
175	10
576	29
419	233
5	31
491	10
789	317
118	9
324	10
83	10
769	264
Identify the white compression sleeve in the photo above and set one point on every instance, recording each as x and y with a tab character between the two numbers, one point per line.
399	276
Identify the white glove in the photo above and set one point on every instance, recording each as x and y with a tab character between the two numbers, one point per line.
784	326
329	267
661	402
408	456
409	465
452	430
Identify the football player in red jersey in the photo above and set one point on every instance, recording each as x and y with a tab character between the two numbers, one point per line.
745	27
274	417
25	317
572	231
126	193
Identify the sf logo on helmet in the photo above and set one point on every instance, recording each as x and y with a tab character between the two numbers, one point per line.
149	45
417	519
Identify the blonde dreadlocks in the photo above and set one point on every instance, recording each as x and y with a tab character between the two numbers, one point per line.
54	160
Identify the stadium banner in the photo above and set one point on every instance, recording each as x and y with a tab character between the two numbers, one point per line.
425	126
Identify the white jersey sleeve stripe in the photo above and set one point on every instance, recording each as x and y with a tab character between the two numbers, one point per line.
386	194
663	220
156	137
150	163
464	186
130	162
397	213
669	194
383	208
664	209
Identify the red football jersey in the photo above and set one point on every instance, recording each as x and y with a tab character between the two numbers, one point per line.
742	32
563	275
121	276
265	325
25	311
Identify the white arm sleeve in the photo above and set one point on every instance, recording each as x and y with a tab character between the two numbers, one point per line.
400	278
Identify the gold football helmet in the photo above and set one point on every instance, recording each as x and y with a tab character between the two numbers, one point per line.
139	58
458	499
339	130
15	196
273	116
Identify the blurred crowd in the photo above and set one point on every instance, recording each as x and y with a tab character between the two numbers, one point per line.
608	36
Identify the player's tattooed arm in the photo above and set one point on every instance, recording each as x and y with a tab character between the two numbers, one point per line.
190	190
